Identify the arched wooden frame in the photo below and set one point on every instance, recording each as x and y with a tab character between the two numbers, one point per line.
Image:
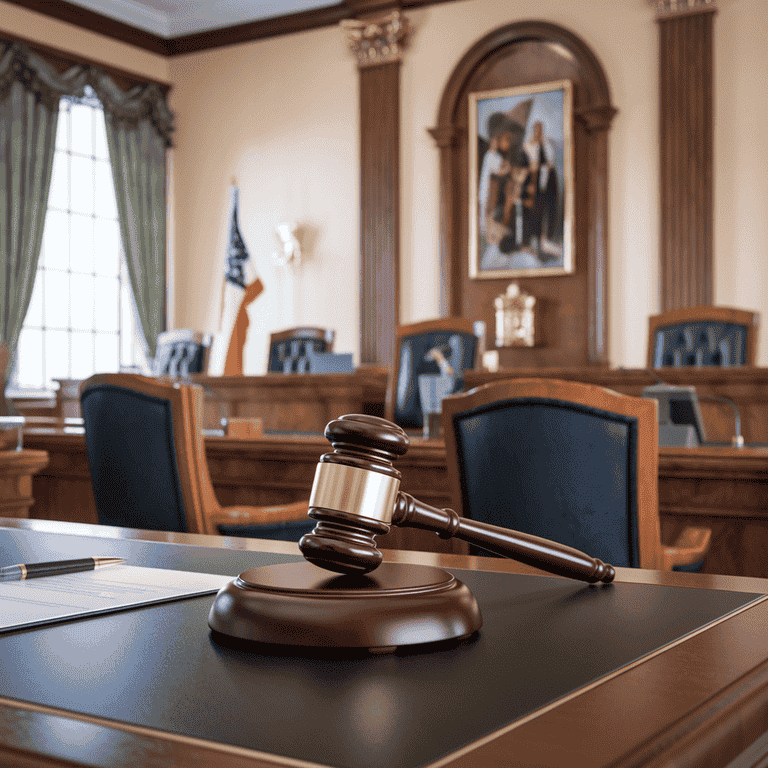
556	54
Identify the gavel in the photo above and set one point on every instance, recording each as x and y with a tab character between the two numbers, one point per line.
356	495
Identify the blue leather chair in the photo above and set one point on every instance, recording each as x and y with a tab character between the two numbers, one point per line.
571	462
699	336
456	339
148	466
182	352
288	350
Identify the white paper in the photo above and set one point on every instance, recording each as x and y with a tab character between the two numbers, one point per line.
51	598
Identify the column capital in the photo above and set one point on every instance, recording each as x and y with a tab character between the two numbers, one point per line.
377	41
667	8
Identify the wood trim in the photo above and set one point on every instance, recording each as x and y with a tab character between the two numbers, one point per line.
303	21
97	22
593	115
686	159
379	211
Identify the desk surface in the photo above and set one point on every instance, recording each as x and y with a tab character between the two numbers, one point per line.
701	701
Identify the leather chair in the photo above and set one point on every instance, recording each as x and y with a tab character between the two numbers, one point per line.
182	352
454	336
288	349
148	466
572	462
701	336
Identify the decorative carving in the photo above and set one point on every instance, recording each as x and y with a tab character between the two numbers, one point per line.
515	318
670	7
378	41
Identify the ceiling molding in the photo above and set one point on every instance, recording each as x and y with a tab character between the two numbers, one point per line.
97	22
302	21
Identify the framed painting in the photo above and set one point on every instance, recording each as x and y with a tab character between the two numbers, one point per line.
521	181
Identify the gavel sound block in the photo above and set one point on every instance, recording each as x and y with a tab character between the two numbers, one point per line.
342	595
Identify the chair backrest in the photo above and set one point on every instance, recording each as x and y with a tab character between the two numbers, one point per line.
144	442
571	462
182	352
702	336
454	336
288	349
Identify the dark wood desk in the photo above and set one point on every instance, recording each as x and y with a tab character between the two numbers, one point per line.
16	471
285	402
702	701
747	386
725	489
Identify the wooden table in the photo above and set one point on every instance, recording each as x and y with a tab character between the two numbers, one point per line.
16	471
285	402
702	701
725	489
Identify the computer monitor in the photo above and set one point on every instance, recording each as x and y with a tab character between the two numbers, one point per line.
680	421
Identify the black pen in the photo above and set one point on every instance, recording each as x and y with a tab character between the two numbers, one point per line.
55	568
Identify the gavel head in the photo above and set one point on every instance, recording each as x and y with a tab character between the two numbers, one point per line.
354	493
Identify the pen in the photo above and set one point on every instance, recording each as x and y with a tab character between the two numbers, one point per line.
55	568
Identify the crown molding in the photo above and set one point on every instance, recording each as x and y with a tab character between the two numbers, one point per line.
303	21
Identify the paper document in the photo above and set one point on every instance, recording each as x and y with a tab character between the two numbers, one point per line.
52	598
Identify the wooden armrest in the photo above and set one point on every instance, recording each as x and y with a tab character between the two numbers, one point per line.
691	546
279	513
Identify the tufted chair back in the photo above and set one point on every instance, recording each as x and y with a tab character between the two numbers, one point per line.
182	352
702	336
288	350
455	338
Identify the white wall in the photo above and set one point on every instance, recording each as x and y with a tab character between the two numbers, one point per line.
280	118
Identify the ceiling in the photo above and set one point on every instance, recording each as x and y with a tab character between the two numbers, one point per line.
175	18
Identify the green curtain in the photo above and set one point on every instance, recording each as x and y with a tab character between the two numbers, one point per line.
139	125
29	111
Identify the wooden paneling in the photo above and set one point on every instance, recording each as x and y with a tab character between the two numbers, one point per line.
379	211
573	307
284	402
686	164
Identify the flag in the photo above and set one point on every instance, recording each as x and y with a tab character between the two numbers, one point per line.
242	285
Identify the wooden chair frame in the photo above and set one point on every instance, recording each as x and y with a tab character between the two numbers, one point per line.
692	543
447	324
703	313
203	511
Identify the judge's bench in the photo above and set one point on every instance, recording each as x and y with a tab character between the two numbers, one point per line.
716	486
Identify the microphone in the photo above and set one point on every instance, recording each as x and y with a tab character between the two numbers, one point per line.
356	495
690	394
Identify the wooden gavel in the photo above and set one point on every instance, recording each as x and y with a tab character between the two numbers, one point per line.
356	495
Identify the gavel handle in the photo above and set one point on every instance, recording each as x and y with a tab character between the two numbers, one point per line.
523	547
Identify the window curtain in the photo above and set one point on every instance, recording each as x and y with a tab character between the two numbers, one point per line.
29	109
139	126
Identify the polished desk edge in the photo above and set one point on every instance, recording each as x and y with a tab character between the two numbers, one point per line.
492	564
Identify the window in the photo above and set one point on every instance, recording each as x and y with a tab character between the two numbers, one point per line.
80	319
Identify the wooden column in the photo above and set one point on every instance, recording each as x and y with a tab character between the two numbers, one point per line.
686	142
378	45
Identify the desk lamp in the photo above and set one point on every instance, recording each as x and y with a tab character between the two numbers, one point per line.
342	595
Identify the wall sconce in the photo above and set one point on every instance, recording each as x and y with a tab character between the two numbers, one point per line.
291	247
